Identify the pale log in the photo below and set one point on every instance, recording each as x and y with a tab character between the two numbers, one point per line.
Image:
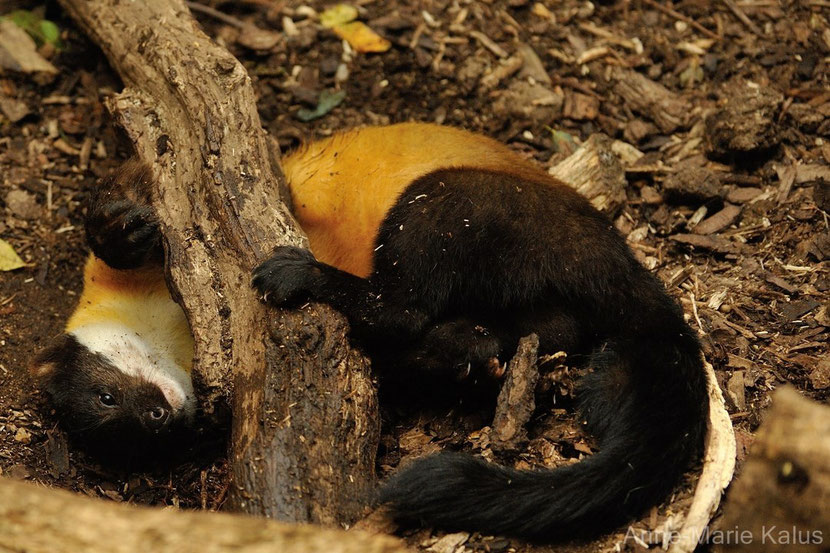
34	519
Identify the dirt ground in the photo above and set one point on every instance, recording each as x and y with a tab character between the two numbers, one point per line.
725	107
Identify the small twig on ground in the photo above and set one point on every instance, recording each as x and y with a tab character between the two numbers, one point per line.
571	82
436	61
696	314
250	35
416	36
681	17
501	72
743	17
216	14
488	43
610	37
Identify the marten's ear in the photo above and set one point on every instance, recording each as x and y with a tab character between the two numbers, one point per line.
45	365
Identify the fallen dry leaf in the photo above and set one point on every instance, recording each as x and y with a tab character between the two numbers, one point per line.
9	260
361	37
338	15
18	52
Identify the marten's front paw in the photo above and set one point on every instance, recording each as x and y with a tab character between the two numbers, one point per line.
121	227
288	276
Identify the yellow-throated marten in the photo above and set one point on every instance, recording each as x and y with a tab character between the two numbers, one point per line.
442	248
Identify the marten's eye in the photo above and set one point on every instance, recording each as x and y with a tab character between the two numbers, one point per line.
106	399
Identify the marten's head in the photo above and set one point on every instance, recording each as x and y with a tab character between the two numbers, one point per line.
114	393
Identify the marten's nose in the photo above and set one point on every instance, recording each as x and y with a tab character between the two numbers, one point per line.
156	418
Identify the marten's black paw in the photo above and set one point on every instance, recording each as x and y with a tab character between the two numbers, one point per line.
123	234
121	227
290	275
462	351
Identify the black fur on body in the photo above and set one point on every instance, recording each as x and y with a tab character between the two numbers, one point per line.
468	261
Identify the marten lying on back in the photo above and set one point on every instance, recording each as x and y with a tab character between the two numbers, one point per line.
442	248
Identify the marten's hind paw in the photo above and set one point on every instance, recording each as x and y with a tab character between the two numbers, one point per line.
121	226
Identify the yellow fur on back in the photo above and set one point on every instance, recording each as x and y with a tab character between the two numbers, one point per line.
343	186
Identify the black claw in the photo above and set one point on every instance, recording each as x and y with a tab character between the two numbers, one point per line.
461	350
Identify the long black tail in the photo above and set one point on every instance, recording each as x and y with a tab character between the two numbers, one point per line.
646	402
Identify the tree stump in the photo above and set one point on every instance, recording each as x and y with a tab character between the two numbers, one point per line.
781	500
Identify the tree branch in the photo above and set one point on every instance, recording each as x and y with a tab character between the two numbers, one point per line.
305	427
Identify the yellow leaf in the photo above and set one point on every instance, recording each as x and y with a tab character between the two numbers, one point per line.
9	260
338	15
361	38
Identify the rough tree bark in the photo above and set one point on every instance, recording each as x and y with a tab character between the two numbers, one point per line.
517	398
39	520
305	427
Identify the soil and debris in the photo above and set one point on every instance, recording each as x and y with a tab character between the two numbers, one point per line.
724	109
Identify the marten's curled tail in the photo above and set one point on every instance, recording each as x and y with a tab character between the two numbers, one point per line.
646	402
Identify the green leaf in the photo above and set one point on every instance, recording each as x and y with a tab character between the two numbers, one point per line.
562	141
50	32
9	260
24	19
41	30
328	101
